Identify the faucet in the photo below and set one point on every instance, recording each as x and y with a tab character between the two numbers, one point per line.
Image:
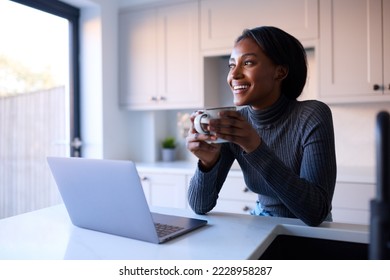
379	247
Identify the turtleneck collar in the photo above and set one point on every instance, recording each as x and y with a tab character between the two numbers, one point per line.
264	118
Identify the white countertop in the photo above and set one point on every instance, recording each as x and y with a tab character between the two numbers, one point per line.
360	174
177	167
49	234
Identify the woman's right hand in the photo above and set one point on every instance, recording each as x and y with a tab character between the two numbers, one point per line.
207	153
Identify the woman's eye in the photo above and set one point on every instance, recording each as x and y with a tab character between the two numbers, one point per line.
248	63
231	65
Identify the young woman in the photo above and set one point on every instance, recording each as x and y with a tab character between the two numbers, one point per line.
284	147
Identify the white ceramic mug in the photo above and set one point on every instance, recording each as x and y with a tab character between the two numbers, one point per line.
202	120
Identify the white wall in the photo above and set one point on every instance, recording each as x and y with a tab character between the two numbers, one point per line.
105	129
91	98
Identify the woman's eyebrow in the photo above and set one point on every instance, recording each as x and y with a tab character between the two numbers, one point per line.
248	54
245	55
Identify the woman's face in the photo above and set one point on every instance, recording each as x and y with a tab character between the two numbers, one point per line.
253	78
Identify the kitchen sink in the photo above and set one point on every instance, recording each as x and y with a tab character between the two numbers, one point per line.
289	247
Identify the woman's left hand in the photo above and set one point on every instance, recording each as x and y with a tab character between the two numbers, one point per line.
233	127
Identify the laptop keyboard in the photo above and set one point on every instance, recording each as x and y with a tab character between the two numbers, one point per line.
163	229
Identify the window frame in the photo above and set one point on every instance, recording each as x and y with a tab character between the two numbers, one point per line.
72	14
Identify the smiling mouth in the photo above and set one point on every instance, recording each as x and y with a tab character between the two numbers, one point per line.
238	88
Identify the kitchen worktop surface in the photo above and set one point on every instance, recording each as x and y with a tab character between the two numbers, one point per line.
49	234
361	174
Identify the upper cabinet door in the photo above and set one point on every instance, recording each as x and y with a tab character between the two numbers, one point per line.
351	50
386	46
223	21
138	58
179	55
159	58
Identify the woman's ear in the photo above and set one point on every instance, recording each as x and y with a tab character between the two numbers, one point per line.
281	72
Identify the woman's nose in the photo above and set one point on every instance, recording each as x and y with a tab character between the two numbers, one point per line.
236	72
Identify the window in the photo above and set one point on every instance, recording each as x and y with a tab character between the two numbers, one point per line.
39	99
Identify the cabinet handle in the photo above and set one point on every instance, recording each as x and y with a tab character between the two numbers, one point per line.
144	178
246	209
157	98
245	190
377	87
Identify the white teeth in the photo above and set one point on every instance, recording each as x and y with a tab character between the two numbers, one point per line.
240	87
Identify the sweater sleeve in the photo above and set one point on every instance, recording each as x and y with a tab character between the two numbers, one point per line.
204	186
308	195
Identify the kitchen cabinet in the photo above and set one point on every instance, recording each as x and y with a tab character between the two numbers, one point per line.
351	202
354	51
166	185
223	21
165	190
386	45
159	58
235	197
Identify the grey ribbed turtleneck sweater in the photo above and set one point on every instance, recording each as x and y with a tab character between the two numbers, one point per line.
293	170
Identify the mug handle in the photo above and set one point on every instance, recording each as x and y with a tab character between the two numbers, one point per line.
198	123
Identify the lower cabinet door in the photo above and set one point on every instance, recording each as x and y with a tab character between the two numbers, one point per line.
165	190
235	197
351	202
231	206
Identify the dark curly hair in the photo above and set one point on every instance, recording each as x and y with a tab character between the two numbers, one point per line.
283	49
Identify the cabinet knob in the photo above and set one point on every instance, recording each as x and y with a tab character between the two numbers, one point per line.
377	87
245	190
162	98
246	209
144	178
153	98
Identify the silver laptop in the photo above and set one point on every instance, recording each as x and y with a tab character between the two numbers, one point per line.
107	196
